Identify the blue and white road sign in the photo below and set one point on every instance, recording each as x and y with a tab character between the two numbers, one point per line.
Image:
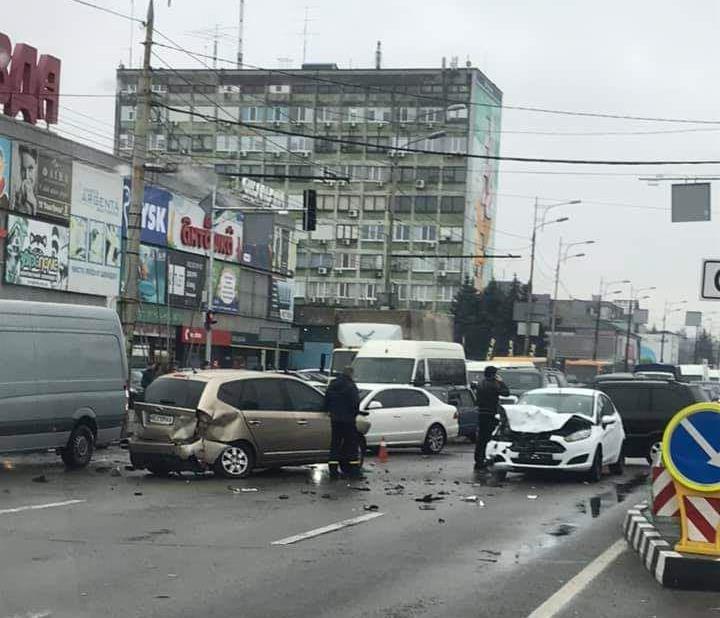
691	447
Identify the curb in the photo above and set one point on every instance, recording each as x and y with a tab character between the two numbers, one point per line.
670	568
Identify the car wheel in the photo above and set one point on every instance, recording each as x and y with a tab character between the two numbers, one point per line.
654	452
619	466
235	461
594	474
80	446
434	440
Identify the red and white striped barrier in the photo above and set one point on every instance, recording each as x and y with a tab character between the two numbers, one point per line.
664	496
703	518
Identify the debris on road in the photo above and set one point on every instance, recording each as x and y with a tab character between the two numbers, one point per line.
562	530
283	497
327	497
492	552
115	472
532	497
130	468
102	469
370	507
441	520
429	498
358	488
474	500
138	493
426	507
40	479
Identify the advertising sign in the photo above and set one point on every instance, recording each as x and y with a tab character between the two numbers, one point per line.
41	182
186	279
5	167
258	240
226	279
282	297
95	231
189	229
154	216
152	275
36	253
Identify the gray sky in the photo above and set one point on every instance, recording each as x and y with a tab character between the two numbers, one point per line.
646	57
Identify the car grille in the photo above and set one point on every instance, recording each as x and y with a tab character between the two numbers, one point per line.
537	446
536	461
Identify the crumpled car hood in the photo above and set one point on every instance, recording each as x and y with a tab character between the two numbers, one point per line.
526	418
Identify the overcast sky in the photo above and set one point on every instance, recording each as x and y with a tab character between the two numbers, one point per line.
646	57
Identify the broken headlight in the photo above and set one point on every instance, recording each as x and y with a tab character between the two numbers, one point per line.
576	436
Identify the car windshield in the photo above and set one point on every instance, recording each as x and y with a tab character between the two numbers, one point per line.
342	359
564	403
521	381
175	392
383	370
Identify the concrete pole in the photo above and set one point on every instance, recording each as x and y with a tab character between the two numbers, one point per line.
597	322
551	351
209	278
528	319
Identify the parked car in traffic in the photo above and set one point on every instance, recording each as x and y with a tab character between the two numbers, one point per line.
63	379
570	429
407	416
231	421
646	406
463	399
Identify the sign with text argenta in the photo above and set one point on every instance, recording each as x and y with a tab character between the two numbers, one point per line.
28	85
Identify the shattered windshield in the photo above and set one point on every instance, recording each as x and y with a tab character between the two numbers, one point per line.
563	403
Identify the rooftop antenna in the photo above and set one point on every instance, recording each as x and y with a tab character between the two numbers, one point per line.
132	32
306	21
468	63
215	46
378	56
241	26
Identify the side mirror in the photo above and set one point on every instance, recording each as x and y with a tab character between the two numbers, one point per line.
374	405
608	420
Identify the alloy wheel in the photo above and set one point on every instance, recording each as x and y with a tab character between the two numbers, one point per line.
234	461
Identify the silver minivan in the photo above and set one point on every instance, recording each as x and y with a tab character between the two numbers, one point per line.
63	378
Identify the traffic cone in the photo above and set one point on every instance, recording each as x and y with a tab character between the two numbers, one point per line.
382	451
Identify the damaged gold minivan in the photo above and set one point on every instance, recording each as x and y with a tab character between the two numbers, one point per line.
230	421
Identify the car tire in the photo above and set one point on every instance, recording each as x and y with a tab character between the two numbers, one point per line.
435	440
235	461
654	451
594	474
618	467
80	447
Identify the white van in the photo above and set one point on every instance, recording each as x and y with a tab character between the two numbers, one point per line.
422	363
63	378
476	369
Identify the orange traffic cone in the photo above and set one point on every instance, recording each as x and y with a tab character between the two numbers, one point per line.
382	451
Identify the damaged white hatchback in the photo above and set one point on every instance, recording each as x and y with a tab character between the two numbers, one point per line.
573	429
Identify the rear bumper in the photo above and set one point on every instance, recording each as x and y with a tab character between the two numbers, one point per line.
198	455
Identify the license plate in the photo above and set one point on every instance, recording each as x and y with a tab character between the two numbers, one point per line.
161	419
535	458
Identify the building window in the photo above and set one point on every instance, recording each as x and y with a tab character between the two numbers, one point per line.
318	289
425	233
451	234
457	113
346	290
326	114
128	89
253	114
401	232
202	143
452	203
325	201
298	143
226	143
346	232
376	173
371	262
372	232
378	114
450	265
422	293
406	174
446	293
375	203
156	142
403	203
423	264
354	114
125	141
348	202
127	113
229	114
456	143
228	89
428	174
179	143
378	143
301	114
251	143
181	114
276	143
159	88
453	174
368	291
345	261
407	114
401	290
321	260
430	114
278	114
426	204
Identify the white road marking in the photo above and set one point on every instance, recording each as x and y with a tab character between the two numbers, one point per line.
577	584
37	507
345	523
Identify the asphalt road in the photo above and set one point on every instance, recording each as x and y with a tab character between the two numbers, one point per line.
135	545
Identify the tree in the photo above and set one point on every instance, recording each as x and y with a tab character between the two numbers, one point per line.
704	347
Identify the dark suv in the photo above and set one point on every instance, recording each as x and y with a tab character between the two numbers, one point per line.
646	406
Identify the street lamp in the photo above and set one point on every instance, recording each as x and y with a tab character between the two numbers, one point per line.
631	311
668	309
561	259
390	215
537	227
603	289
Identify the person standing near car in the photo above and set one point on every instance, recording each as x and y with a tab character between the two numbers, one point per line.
342	401
488	393
149	374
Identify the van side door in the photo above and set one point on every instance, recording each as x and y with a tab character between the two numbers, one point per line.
20	425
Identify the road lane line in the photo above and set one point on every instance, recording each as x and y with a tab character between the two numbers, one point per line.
345	523
577	584
37	507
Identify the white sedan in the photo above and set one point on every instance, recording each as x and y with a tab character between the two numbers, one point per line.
561	429
407	416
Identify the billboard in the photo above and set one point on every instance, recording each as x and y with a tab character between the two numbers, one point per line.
189	229
258	240
36	253
95	251
41	182
5	167
152	275
282	298
186	279
225	287
154	217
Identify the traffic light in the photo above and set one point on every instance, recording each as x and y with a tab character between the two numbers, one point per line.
209	320
309	210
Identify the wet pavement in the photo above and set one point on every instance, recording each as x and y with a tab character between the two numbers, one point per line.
421	535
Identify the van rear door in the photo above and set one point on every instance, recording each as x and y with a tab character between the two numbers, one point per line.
168	413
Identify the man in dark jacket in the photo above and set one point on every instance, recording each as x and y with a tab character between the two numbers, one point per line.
487	394
149	374
342	401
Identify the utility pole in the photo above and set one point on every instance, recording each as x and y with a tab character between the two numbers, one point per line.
629	327
209	277
241	27
528	318
597	321
132	246
662	336
389	226
553	313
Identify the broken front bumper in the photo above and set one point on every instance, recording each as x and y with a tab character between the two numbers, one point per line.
198	455
552	453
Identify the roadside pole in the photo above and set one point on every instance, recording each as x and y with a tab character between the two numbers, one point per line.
528	318
596	339
209	277
130	297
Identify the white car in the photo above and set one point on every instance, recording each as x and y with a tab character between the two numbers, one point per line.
560	429
407	416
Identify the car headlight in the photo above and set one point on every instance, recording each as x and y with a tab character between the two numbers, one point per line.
581	434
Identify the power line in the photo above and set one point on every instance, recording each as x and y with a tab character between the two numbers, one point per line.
109	11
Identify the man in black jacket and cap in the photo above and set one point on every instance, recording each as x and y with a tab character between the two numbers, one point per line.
487	395
342	401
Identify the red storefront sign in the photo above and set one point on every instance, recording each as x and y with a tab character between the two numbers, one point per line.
192	334
28	85
199	237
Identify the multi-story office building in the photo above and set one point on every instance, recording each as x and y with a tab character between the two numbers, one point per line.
320	121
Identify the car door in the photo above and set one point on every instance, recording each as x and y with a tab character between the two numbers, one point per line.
411	415
612	430
273	426
313	423
385	420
